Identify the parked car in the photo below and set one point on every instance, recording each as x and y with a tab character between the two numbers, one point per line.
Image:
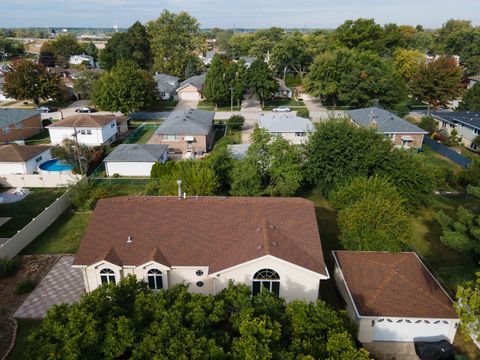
281	109
47	109
85	109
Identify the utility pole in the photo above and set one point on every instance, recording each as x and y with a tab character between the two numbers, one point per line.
78	150
231	98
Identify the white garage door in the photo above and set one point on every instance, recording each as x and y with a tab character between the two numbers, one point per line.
187	95
409	330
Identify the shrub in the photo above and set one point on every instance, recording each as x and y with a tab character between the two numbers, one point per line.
8	266
429	124
25	287
236	122
303	113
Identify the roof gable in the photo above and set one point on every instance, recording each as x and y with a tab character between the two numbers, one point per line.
14	116
137	153
285	123
86	120
469	118
196	81
20	153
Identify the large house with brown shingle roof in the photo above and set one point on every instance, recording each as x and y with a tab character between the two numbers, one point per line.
269	244
394	297
91	130
22	159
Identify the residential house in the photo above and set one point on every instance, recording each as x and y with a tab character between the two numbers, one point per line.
191	89
472	80
393	297
82	59
283	90
289	126
167	86
88	129
22	159
187	131
238	151
135	159
19	124
268	244
466	123
207	59
248	60
401	132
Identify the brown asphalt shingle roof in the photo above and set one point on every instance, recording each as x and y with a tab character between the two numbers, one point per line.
393	284
205	231
20	153
87	120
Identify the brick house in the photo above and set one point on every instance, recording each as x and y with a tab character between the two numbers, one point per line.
19	124
402	133
187	131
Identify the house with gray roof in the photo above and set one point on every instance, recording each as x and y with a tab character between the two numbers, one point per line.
291	127
467	124
18	124
135	159
238	151
167	86
248	60
188	131
191	89
283	91
401	132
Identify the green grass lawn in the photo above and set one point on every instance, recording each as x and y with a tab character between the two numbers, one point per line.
292	103
222	106
41	138
162	105
143	135
25	327
22	212
62	237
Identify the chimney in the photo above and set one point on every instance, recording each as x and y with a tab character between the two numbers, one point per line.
179	183
129	239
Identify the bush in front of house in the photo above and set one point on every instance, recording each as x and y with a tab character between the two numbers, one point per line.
303	113
25	287
235	122
8	266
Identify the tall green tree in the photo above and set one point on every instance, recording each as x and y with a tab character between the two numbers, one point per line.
47	54
174	38
216	87
261	80
471	99
134	44
291	55
26	80
407	62
264	41
361	34
126	88
468	306
437	82
66	45
84	84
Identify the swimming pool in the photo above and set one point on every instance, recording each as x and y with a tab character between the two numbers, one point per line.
55	165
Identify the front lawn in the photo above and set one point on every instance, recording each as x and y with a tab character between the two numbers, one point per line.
142	134
161	105
22	212
62	237
41	138
25	328
292	103
221	106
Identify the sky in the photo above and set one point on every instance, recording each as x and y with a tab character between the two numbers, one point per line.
235	13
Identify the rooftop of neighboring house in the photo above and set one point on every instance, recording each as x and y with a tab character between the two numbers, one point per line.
166	83
474	78
87	120
248	59
284	123
282	86
238	151
218	232
187	121
469	118
197	81
14	116
385	121
393	284
137	153
20	153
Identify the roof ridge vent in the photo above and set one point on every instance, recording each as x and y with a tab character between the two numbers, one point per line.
129	239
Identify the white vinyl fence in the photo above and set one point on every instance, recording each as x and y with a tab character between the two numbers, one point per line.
51	180
35	227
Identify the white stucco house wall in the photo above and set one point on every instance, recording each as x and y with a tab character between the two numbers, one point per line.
393	297
205	242
135	159
22	159
291	127
91	130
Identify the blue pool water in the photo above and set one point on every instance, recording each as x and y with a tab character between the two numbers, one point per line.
55	165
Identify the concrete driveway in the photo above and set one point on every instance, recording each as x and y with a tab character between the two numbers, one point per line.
185	104
392	350
70	110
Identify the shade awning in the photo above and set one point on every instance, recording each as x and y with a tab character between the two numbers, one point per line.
407	138
189	138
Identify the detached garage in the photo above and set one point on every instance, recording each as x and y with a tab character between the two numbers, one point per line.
135	159
191	89
393	297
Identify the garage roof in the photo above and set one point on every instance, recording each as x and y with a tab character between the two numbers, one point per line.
137	153
393	284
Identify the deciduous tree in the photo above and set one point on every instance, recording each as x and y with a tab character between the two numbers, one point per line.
468	306
471	99
261	80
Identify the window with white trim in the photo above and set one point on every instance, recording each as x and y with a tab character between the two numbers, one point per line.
107	276
155	279
266	280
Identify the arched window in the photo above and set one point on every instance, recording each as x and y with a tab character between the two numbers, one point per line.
266	280
155	280
107	276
